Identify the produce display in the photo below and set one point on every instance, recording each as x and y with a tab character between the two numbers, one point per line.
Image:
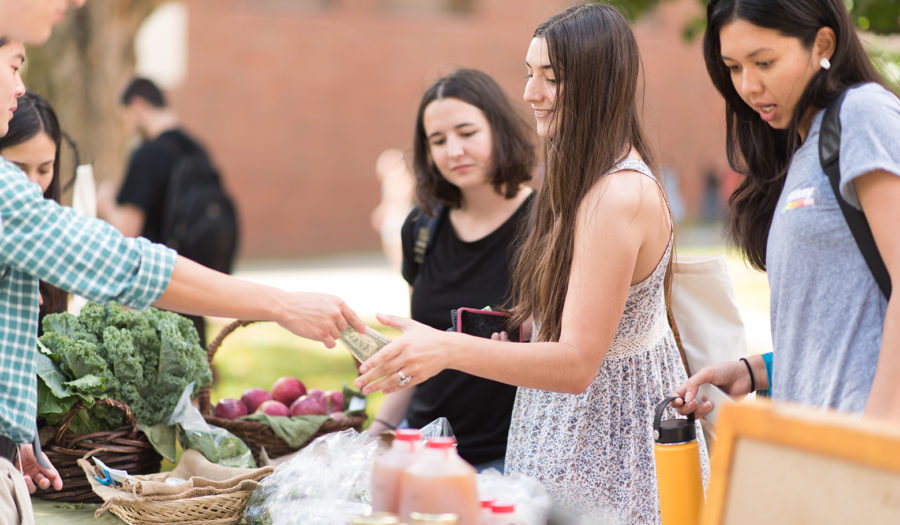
288	397
142	358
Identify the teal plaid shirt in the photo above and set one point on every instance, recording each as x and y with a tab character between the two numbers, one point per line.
42	240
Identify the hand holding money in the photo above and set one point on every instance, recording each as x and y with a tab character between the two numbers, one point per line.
363	346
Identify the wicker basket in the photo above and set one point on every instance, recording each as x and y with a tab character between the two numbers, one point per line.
208	503
256	435
216	509
126	449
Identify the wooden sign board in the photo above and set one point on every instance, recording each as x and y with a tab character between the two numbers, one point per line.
782	464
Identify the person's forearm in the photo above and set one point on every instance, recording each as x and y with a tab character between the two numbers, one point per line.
392	411
558	367
884	397
197	290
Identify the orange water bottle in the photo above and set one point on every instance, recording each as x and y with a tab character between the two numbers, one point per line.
387	470
678	476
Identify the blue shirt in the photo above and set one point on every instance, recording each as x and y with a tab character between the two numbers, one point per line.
827	311
40	240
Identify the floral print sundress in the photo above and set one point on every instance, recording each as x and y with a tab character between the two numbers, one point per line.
594	451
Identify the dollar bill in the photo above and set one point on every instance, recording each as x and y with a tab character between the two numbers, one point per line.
363	346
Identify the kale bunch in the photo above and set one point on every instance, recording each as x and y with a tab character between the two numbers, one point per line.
142	358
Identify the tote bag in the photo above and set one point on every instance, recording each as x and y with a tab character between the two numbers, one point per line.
705	311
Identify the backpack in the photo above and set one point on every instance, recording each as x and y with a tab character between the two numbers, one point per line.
829	158
423	229
199	219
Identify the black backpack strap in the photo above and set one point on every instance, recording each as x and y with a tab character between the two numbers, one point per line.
423	230
829	158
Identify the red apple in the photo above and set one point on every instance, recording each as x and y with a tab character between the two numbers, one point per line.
253	397
230	408
316	392
274	408
335	400
308	405
287	389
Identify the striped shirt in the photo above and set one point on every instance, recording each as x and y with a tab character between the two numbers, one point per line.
41	240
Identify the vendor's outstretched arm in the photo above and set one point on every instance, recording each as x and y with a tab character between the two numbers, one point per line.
197	290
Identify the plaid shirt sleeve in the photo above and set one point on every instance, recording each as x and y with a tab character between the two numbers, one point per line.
42	240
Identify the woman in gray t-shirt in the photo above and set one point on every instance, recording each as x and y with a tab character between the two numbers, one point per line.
836	336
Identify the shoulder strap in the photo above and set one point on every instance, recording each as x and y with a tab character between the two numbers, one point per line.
424	231
670	316
829	158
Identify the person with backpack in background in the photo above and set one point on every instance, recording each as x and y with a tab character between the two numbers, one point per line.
835	325
472	157
41	240
171	193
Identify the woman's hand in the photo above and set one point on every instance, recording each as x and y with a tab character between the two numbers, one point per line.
318	316
36	475
501	336
732	377
418	355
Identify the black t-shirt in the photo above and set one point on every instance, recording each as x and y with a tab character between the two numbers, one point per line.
147	179
462	274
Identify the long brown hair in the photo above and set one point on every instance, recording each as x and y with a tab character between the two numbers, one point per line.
596	62
755	149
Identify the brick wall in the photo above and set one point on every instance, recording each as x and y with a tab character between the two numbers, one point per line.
296	98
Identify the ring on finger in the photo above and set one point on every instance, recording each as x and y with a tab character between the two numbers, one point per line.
404	379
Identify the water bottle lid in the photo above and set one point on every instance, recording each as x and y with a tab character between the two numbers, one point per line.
672	431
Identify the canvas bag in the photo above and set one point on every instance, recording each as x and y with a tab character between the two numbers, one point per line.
703	304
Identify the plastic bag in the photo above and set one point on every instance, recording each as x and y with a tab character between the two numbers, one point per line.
533	504
215	443
440	427
326	483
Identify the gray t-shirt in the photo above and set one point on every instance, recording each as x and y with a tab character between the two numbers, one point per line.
827	311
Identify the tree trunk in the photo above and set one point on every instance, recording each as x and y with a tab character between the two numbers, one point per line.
81	71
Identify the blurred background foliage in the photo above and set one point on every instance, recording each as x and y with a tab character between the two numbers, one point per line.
877	16
94	42
877	19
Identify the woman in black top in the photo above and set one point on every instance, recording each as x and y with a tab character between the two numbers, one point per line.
472	158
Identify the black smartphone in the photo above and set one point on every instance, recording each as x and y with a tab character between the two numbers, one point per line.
482	323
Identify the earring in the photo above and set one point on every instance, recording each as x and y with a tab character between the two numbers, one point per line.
825	63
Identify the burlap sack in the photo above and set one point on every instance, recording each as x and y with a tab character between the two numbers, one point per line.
201	478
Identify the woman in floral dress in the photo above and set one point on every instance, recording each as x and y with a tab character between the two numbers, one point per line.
591	276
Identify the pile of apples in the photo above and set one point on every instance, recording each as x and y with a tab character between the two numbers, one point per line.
288	397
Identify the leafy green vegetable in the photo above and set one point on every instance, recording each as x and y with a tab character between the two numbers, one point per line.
162	437
142	358
217	445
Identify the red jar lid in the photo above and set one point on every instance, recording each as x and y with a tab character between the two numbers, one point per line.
503	507
441	443
408	434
